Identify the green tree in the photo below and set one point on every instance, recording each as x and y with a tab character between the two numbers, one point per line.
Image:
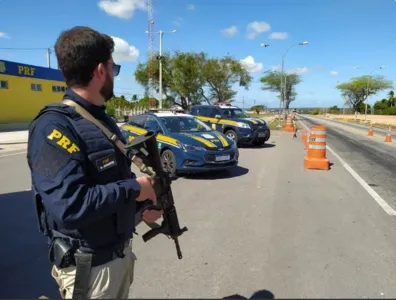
221	74
334	110
315	111
258	108
181	76
272	82
391	98
358	89
187	75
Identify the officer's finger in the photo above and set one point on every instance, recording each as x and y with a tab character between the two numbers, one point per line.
153	197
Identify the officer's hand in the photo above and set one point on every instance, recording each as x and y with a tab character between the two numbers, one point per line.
146	189
150	216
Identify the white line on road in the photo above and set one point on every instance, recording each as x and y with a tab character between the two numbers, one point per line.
381	202
11	154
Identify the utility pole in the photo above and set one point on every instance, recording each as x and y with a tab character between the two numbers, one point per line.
161	34
49	57
283	81
159	57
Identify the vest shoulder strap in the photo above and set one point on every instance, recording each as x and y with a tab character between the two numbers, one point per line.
85	114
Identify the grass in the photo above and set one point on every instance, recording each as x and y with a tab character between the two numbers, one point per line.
260	115
273	125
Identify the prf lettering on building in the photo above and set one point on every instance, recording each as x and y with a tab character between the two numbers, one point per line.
25	89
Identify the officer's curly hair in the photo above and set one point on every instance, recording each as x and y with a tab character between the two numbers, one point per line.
79	50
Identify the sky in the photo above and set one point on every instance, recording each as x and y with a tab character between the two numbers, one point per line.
346	38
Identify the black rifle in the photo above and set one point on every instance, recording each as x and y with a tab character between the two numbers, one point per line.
143	151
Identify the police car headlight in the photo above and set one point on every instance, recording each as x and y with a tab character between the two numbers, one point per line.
243	125
187	147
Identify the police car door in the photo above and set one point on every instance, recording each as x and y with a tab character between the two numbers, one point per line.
152	124
202	114
215	115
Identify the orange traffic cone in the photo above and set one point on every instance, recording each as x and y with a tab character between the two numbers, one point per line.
370	132
388	137
306	141
303	135
316	154
289	124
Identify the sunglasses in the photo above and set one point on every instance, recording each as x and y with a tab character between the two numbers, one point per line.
116	69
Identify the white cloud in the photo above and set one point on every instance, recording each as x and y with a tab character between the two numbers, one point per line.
250	65
334	73
178	21
230	31
191	7
256	28
123	51
279	36
298	70
123	9
4	35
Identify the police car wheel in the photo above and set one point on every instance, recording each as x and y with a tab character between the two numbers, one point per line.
232	135
268	135
168	162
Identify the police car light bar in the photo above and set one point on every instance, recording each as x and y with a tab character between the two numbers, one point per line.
171	110
222	104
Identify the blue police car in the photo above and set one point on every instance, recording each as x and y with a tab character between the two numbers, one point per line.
233	122
185	143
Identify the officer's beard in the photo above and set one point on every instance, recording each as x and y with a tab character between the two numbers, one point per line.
107	90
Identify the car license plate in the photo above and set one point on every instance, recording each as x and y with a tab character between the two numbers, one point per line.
222	157
262	134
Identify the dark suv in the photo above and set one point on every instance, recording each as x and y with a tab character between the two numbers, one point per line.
234	122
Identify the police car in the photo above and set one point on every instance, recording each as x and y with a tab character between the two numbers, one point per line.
234	122
185	143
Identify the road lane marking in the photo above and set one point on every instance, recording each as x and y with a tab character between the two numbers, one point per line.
381	202
12	154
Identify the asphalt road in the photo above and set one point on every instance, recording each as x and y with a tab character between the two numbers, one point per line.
364	128
374	160
269	229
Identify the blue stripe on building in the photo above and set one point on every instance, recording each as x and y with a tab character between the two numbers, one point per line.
30	71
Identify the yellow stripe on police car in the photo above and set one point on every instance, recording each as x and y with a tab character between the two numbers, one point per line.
223	140
160	137
203	141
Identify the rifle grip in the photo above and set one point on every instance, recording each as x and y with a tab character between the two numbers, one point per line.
151	233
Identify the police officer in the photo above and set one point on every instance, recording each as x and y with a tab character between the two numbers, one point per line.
295	126
85	193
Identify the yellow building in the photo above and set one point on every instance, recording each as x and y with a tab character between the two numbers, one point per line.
25	89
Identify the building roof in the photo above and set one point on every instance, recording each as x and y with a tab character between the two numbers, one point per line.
30	71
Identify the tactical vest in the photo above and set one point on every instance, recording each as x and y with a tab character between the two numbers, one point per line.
111	232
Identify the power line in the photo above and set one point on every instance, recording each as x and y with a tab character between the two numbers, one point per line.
29	49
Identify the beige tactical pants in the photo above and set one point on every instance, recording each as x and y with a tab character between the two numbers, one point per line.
108	281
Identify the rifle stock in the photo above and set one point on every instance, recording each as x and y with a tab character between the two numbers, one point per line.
143	151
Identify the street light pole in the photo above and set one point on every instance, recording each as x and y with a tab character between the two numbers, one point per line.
283	87
161	34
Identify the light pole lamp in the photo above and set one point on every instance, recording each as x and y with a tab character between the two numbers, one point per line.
161	34
282	79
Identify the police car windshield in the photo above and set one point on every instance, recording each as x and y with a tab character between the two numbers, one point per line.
234	113
178	124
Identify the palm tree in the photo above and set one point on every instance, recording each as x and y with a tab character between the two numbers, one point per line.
391	99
